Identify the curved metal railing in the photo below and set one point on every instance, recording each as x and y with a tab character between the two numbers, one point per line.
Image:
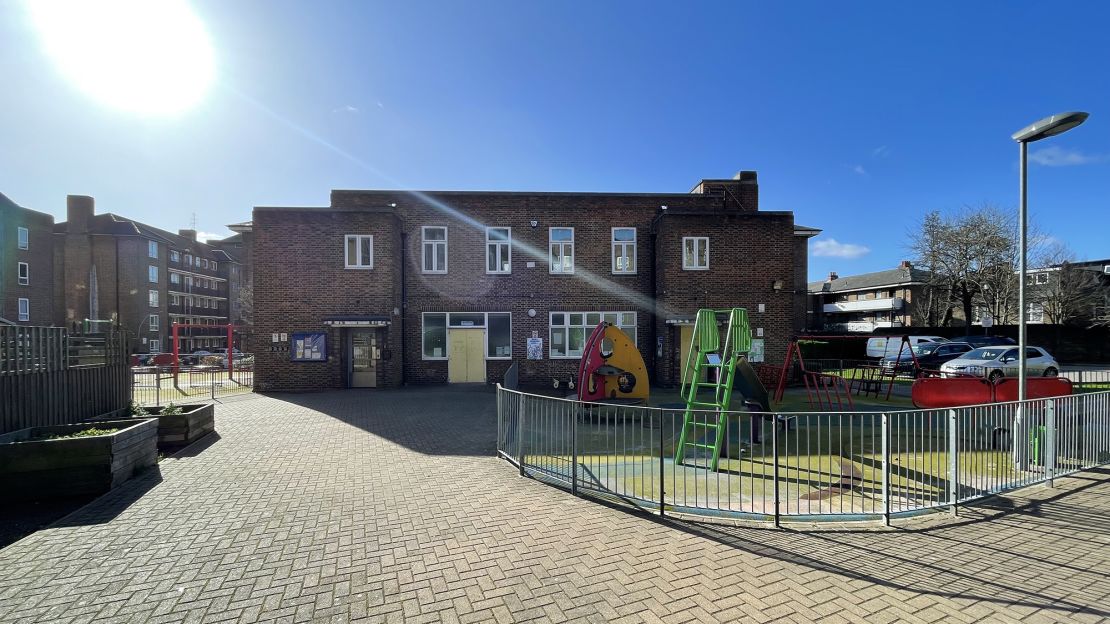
804	466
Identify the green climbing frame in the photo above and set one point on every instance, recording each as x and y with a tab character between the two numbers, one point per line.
707	402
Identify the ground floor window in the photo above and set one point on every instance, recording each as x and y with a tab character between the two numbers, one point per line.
435	325
569	330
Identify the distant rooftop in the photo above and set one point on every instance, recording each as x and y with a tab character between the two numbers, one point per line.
901	276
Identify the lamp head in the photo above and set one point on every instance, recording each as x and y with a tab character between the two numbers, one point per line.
1049	126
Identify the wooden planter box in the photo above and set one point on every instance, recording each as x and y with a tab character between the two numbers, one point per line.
175	431
38	469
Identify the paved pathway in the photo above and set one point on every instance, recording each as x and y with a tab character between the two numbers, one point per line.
388	506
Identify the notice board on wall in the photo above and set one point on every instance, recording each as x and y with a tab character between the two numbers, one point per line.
309	347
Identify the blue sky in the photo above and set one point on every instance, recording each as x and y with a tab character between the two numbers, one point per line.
859	117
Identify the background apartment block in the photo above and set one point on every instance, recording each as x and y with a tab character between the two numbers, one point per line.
26	265
440	286
865	302
108	267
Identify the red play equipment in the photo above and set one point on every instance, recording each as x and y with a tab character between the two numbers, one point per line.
175	332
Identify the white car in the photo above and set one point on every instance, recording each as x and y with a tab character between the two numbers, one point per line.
890	346
997	362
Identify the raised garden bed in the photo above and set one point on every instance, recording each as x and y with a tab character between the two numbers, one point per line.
65	460
184	425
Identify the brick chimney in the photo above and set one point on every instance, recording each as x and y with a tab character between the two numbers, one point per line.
906	264
833	276
79	212
189	234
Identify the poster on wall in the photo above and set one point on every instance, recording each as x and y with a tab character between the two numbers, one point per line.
535	348
756	354
309	347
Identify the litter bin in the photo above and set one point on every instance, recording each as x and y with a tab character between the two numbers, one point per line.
1036	445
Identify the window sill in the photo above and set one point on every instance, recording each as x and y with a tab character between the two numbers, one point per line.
564	357
623	273
359	268
685	268
499	272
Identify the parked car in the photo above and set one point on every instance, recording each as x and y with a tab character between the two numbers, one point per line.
985	341
194	358
888	346
930	356
997	362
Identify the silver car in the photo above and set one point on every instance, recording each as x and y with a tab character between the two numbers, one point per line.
1001	361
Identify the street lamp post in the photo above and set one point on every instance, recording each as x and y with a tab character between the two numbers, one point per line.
1047	127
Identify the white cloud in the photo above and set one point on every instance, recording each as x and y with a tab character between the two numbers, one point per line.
204	237
831	248
859	170
346	108
1056	156
880	152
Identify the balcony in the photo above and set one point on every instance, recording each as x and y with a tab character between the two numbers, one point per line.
861	326
867	305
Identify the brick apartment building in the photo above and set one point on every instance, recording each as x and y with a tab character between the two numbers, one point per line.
108	267
391	287
26	265
865	302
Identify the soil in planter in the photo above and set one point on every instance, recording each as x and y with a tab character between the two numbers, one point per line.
84	433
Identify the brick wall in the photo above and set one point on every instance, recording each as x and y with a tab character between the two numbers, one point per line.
39	257
748	251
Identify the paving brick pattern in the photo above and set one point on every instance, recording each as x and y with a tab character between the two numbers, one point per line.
389	506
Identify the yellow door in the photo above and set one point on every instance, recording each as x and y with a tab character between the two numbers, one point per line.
466	362
685	335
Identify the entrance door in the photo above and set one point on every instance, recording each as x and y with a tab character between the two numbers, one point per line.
685	336
467	360
364	358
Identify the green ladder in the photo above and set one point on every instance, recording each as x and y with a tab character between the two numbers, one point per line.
708	352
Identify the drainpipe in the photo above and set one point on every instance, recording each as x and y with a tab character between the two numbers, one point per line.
404	302
653	235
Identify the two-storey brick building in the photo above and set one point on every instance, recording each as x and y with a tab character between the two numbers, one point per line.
389	287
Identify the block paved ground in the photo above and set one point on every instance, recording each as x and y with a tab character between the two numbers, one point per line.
389	506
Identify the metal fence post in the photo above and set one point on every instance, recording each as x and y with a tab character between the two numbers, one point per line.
662	469
775	466
520	436
157	386
886	468
212	381
1050	442
574	448
953	462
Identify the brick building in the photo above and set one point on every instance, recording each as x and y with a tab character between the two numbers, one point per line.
389	287
865	302
26	265
108	267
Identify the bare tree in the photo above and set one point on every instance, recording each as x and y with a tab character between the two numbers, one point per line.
1070	293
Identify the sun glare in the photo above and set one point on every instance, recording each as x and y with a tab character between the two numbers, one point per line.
151	57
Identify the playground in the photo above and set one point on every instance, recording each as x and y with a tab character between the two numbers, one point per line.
810	443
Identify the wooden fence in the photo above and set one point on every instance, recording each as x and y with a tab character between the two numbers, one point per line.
49	376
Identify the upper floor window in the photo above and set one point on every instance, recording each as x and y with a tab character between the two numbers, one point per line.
175	256
624	250
188	259
152	321
499	242
213	265
24	309
1034	313
175	300
695	253
23	237
434	248
188	280
152	249
359	251
1036	279
152	274
561	245
175	278
196	260
24	274
152	298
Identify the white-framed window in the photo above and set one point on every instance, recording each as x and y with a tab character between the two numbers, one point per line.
359	251
152	249
24	309
204	263
568	331
561	249
155	345
196	260
624	250
152	298
152	322
188	281
434	252
499	250
695	253
152	274
175	278
1034	313
434	327
175	300
188	259
175	256
23	237
214	265
1036	279
24	274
